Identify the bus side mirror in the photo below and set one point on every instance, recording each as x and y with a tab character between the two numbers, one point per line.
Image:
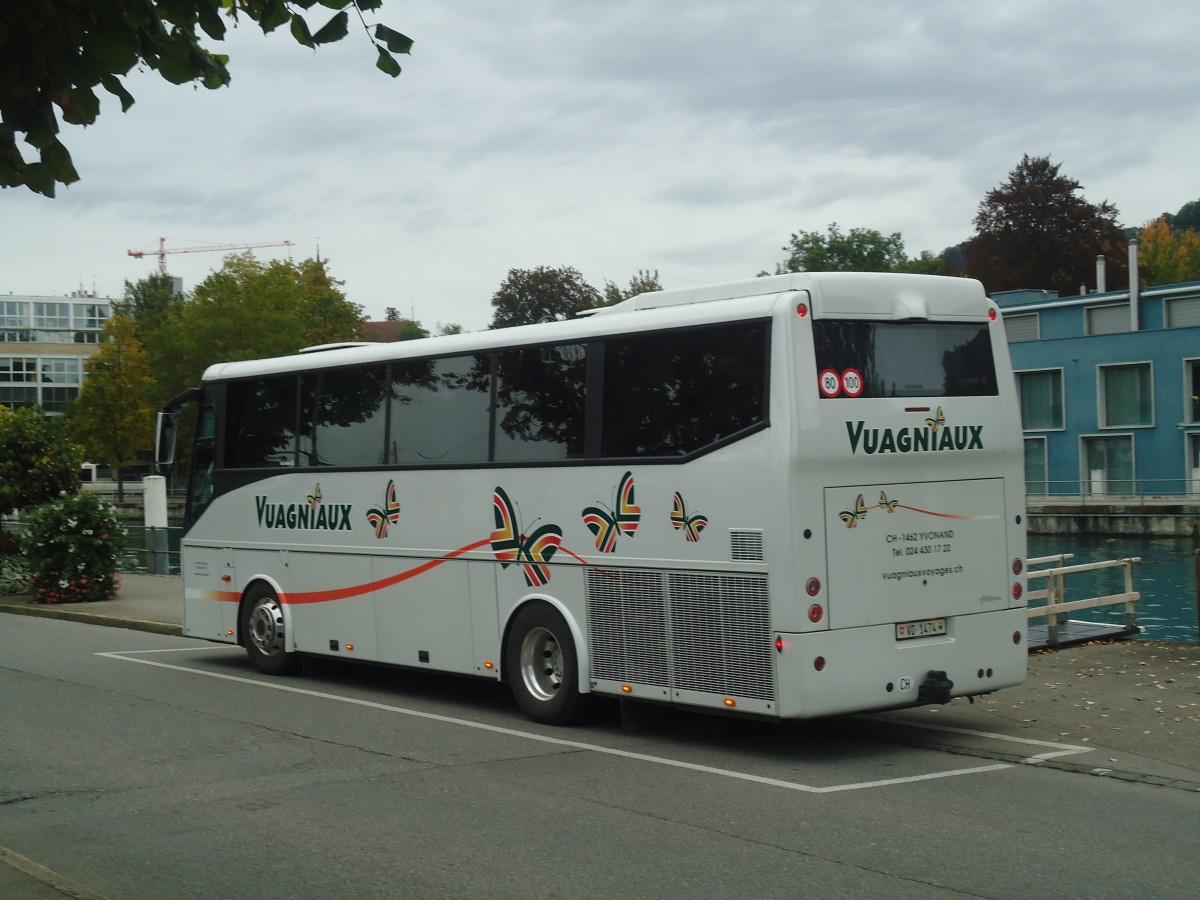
164	438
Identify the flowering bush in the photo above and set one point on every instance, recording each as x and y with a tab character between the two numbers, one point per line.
14	570
73	545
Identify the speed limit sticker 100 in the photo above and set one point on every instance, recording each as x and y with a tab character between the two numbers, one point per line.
852	382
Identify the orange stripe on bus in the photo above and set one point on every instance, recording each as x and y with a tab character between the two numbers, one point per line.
360	589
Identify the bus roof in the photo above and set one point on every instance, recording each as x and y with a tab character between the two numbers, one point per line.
873	295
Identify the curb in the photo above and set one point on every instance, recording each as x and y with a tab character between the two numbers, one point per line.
70	615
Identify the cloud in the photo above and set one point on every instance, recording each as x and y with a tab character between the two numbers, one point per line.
617	135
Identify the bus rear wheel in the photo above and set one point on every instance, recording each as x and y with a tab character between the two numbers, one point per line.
263	635
542	667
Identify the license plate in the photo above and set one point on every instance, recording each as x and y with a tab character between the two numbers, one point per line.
925	628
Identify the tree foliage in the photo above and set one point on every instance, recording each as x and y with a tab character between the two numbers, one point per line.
541	295
1187	217
859	250
54	57
250	310
1036	231
113	417
149	304
37	461
641	283
1168	255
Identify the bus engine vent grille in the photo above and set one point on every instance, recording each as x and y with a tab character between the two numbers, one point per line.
721	634
746	545
689	631
627	612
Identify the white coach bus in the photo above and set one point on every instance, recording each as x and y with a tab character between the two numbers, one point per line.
795	496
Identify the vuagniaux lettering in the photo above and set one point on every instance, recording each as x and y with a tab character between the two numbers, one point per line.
316	517
913	440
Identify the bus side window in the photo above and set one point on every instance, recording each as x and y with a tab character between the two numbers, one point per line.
262	423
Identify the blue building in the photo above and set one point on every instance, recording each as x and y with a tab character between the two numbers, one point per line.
1110	390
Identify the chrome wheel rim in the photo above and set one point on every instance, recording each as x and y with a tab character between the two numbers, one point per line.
266	626
541	664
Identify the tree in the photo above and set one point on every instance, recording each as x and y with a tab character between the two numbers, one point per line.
861	250
1035	231
643	282
37	461
928	264
391	314
148	303
53	56
1187	217
1168	255
250	310
410	331
449	328
541	295
113	417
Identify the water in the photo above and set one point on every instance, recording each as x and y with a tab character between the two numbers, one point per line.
1166	579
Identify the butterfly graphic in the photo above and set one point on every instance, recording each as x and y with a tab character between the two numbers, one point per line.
379	516
852	516
531	552
936	421
314	499
691	526
886	504
608	525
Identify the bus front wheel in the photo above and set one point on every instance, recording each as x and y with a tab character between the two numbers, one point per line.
263	633
542	667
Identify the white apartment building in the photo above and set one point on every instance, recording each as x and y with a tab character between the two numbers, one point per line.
45	343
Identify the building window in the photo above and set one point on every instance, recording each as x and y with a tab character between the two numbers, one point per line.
1126	397
14	314
52	315
1025	327
1183	312
1036	481
1107	319
1191	390
18	381
1108	463
1041	399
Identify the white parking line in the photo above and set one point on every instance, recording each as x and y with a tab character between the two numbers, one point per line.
133	656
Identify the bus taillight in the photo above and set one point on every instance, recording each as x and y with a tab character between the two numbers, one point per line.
815	613
991	315
813	587
779	643
819	664
730	702
1018	566
802	309
1017	591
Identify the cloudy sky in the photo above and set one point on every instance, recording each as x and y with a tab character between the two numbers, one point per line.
688	137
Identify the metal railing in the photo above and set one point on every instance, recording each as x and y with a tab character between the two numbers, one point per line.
1057	606
1140	491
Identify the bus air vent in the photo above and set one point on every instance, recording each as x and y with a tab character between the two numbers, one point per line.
689	631
746	545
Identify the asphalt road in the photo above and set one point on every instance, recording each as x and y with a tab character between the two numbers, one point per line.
138	765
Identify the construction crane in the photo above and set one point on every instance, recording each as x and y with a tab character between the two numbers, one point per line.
162	250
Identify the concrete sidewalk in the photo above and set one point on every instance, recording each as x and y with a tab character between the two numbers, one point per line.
143	603
1136	702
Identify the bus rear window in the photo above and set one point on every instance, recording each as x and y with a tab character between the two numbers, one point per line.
908	359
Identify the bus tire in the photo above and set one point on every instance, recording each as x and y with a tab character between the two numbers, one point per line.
542	667
263	634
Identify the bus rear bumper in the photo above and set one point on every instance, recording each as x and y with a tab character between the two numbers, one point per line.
858	669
